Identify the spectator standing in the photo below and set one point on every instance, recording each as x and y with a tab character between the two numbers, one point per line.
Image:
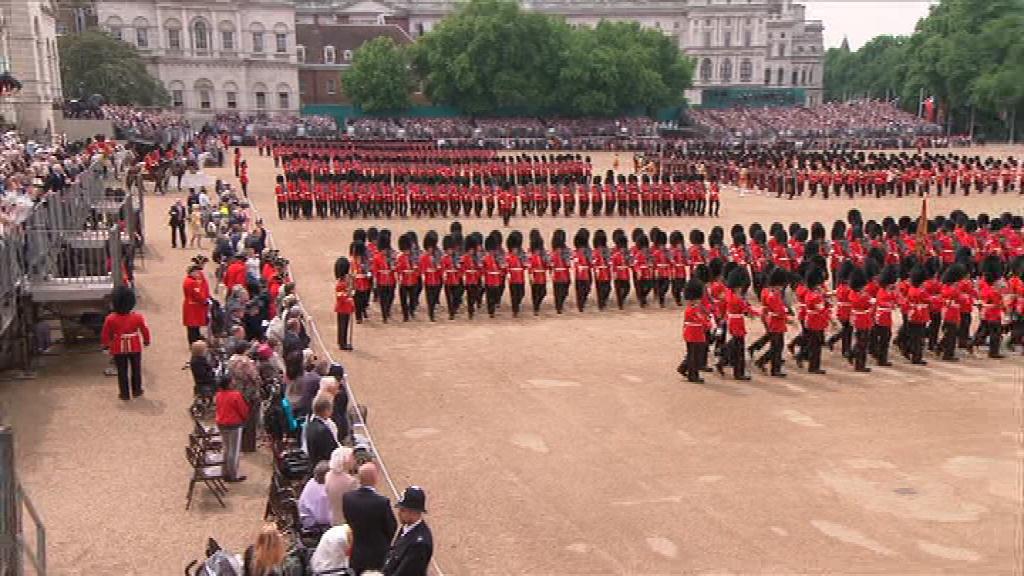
124	334
246	378
321	436
232	412
176	220
411	552
195	307
267	556
372	521
339	481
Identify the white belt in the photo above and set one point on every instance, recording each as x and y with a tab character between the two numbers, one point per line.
733	316
694	324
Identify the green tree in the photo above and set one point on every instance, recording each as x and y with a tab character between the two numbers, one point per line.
379	79
491	56
97	63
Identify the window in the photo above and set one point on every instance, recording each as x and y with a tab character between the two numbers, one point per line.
657	25
174	39
803	76
800	49
257	41
261	100
227	39
282	100
783	35
347	55
782	50
707	39
767	76
330	57
780	76
705	70
204	99
794	78
177	98
282	42
727	38
726	70
142	37
200	39
746	70
747	38
300	53
332	86
675	25
707	22
810	76
232	100
116	33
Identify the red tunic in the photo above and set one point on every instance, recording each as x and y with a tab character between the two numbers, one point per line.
430	270
383	274
516	269
343	303
695	324
860	304
774	312
538	269
493	274
817	311
194	308
885	301
559	267
124	333
736	309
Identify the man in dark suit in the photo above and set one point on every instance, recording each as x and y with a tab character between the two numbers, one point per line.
176	220
414	546
372	521
321	438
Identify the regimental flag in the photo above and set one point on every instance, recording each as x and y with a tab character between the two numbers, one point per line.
922	230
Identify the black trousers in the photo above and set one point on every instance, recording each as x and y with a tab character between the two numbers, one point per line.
661	290
860	349
343	326
881	337
453	299
713	207
964	332
561	293
493	294
933	331
537	294
734	355
433	297
948	343
678	284
362	301
993	332
815	339
844	336
125	362
385	297
915	342
282	210
582	293
473	298
176	233
643	289
516	293
193	334
774	353
621	292
604	289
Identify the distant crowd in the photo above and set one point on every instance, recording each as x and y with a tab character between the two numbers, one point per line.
525	127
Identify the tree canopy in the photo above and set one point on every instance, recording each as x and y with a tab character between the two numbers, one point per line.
97	63
379	79
968	55
492	57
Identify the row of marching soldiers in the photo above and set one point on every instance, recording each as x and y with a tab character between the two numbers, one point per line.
935	301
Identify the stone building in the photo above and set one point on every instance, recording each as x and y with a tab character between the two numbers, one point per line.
28	51
214	56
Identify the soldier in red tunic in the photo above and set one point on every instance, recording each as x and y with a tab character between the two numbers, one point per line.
696	325
516	261
775	317
817	317
407	271
430	270
861	319
561	261
582	267
384	274
493	271
990	294
886	299
124	334
539	265
622	266
195	307
470	267
736	311
343	303
601	260
452	273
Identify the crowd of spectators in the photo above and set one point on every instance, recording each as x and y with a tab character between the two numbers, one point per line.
855	119
501	128
244	128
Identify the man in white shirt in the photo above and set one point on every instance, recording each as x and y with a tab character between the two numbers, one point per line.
314	508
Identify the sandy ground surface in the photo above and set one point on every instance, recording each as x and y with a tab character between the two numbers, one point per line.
560	444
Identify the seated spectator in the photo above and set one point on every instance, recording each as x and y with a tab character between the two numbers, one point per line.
267	556
314	508
202	370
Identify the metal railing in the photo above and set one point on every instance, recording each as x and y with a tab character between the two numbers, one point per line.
14	546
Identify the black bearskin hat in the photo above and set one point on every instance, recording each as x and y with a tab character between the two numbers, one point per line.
675	238
359	235
700	272
636	234
447	243
780	236
430	240
581	239
738	278
918	276
455	228
838	230
341	267
853	217
844	270
858	280
991	268
358	250
600	238
404	243
122	299
514	240
384	239
490	243
643	242
558	239
735	228
694	290
814	277
877	254
963	256
715	268
889	275
953	274
696	237
778	277
817	231
760	237
739	238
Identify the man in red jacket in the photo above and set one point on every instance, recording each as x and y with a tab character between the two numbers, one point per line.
696	325
343	303
124	334
736	309
775	317
817	317
861	316
991	305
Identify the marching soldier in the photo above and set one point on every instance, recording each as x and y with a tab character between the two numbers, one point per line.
817	320
450	267
736	310
384	274
696	325
860	315
775	317
582	267
561	260
516	261
539	265
602	265
430	270
622	266
343	304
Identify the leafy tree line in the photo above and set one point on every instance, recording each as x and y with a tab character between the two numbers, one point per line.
96	63
490	57
967	55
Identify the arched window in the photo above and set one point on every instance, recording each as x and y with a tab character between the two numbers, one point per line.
725	70
200	35
227	36
114	27
176	88
705	70
259	91
141	32
173	28
284	98
231	95
204	94
746	70
257	37
780	76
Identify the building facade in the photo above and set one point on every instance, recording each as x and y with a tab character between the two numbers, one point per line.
214	56
744	51
28	51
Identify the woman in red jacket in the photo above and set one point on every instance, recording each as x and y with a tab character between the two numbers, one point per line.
124	334
195	307
343	304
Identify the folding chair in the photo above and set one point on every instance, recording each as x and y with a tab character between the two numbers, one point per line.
212	476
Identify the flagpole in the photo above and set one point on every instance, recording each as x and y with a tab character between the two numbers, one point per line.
920	102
